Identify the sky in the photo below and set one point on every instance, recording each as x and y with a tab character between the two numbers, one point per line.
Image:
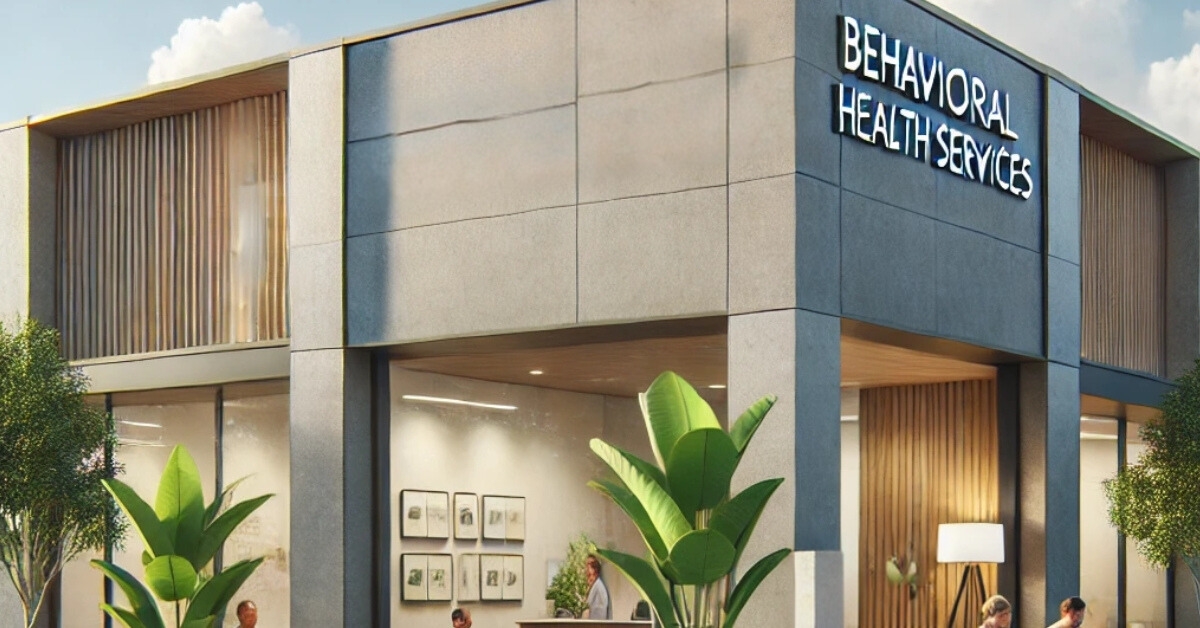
1143	55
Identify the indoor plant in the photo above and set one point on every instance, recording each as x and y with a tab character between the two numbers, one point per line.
569	587
182	536
682	507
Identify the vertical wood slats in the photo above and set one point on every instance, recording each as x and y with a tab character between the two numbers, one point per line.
1124	261
929	456
173	232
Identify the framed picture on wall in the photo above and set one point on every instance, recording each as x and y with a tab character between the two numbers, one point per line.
514	527
441	577
466	516
412	514
491	573
414	585
437	514
513	582
468	578
495	517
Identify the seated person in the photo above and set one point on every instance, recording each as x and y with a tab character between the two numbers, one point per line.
461	618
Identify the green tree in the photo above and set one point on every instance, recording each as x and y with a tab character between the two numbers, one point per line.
1155	501
53	505
569	587
681	504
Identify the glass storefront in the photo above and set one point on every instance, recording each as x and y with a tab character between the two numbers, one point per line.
1145	593
251	434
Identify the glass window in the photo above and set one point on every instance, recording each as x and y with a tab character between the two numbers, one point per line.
1098	460
1145	587
255	446
82	586
148	427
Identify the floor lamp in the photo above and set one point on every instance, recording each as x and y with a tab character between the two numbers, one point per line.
971	544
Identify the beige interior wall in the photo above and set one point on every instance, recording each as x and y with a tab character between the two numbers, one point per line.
538	451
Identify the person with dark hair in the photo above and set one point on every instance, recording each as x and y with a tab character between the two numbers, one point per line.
247	614
461	618
997	613
1072	610
597	597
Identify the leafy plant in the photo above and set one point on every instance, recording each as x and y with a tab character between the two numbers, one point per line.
53	458
1155	501
903	572
682	507
182	536
569	587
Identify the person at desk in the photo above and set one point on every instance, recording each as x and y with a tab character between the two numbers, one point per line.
599	606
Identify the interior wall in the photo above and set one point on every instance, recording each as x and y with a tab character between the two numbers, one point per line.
538	451
1098	568
929	456
851	477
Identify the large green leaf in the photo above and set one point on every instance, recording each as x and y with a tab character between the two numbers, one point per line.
180	501
637	514
214	508
699	469
171	578
145	609
749	583
646	580
154	536
127	619
215	594
205	622
673	408
737	517
658	504
650	469
700	557
747	424
212	537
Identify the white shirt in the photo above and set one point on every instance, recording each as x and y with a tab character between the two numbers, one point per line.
597	601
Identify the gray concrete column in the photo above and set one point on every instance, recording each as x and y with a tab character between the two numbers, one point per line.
1183	265
795	355
28	170
332	563
1049	489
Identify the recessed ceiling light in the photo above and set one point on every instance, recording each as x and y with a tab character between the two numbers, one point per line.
716	386
535	372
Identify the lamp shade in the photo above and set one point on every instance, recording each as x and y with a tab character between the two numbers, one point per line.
970	543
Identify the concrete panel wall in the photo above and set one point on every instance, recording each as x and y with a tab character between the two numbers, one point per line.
14	223
1183	266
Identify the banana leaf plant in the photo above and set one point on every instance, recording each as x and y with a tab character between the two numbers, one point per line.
181	535
681	504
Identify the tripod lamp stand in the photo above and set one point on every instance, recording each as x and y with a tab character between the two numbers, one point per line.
971	544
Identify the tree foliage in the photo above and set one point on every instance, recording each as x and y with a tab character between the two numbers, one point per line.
1155	500
53	505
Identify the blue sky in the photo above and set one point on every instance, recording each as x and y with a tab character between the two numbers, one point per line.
1142	54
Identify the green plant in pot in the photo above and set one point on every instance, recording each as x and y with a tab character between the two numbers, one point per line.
569	587
181	535
681	504
1155	500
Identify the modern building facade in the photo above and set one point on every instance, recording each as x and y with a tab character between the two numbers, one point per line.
405	277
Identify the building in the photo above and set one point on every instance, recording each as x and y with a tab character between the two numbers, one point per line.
429	263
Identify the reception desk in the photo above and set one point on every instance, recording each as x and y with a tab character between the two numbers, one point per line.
581	623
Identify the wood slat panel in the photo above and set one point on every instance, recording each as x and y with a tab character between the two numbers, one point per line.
173	232
929	456
1124	262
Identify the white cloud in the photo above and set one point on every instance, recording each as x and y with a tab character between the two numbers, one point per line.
1090	41
241	34
1191	19
1172	94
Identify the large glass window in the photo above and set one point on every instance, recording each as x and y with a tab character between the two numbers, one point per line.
254	446
1102	452
253	443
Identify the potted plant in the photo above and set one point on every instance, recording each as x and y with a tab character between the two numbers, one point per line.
569	588
182	535
681	504
1155	500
